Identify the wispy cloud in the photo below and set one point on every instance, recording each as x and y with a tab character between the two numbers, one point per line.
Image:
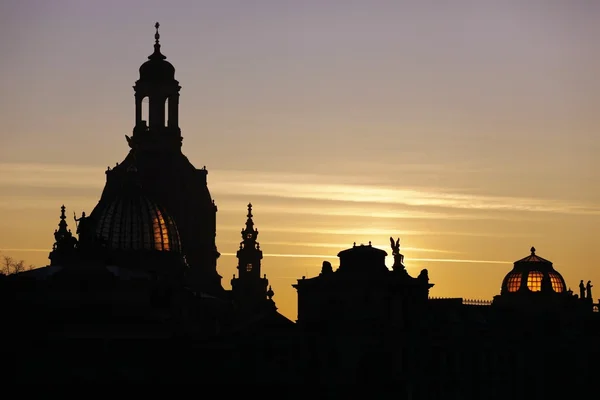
309	186
374	232
344	246
44	203
432	197
452	260
327	257
28	250
319	256
51	175
349	209
436	260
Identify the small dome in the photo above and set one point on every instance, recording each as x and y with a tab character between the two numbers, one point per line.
132	221
157	70
363	259
532	274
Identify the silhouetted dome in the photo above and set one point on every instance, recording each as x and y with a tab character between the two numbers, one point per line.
132	221
363	259
528	274
156	69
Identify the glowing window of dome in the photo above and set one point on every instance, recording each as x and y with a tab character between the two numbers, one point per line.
534	281
161	234
514	282
248	267
557	284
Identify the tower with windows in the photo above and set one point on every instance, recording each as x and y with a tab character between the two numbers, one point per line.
249	289
164	174
156	103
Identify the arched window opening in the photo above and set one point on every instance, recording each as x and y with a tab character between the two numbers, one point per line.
557	284
514	282
167	112
145	110
534	281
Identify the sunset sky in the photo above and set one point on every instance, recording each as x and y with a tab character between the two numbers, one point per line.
469	129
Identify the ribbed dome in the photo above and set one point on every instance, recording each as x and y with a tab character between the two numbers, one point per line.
530	274
132	221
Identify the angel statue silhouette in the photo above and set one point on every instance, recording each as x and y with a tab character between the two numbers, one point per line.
398	258
395	246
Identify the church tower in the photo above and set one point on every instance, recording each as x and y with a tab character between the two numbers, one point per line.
249	289
63	249
165	174
157	87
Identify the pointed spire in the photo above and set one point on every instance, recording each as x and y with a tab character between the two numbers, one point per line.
64	241
249	234
62	231
157	55
249	222
62	225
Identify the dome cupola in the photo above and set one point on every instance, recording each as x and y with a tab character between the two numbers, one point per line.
157	69
533	274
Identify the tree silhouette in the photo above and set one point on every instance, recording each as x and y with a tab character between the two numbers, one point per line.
9	266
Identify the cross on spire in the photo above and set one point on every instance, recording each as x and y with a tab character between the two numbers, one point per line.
157	54
157	35
249	234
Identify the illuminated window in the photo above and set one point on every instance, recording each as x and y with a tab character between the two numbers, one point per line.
557	284
249	236
514	282
534	281
248	267
161	236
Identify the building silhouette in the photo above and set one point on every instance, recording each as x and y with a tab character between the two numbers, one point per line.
362	290
249	290
166	175
134	296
